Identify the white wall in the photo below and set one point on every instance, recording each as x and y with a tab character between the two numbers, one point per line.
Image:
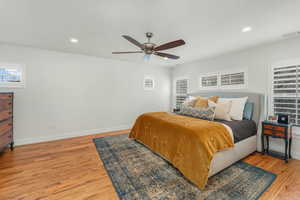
256	60
70	95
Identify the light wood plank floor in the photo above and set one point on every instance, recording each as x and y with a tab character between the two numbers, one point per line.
70	169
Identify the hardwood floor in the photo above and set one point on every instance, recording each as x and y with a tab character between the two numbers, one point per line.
70	169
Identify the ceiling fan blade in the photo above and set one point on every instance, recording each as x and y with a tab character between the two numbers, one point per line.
133	41
123	52
166	55
169	45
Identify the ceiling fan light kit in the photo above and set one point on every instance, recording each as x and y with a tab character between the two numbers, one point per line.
147	57
149	48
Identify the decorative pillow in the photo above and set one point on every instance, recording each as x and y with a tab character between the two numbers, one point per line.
202	102
248	111
190	101
237	107
222	110
207	113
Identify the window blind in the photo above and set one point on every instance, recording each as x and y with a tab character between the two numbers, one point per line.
233	79
209	81
285	98
181	88
148	83
179	100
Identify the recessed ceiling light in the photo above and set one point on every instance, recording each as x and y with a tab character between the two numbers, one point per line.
247	29
74	40
166	58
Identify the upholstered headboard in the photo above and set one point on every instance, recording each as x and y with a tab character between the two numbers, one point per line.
256	98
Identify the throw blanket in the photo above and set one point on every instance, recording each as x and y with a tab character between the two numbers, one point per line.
188	143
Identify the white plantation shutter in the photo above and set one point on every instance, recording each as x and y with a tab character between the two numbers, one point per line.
209	81
179	100
233	79
285	98
182	86
181	89
224	80
148	84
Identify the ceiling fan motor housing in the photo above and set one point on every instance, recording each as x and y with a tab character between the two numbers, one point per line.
148	48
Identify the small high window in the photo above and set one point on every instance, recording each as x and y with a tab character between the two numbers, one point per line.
12	75
148	84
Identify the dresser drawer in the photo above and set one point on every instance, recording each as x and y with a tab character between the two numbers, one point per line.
274	133
6	96
5	139
6	104
5	126
276	128
6	123
5	114
278	131
6	108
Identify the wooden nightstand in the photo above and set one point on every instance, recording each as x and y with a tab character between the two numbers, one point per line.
175	110
277	130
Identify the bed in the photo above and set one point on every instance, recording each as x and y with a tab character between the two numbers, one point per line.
199	148
243	146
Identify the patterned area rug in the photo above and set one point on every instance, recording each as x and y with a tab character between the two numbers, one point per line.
138	173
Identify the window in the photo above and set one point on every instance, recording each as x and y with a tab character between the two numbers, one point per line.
181	90
12	75
148	84
209	81
225	80
232	80
285	98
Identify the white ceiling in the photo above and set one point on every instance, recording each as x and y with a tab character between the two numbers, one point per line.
209	27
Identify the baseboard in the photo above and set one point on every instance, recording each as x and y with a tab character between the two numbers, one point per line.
69	135
296	156
24	141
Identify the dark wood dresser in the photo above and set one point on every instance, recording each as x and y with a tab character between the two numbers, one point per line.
6	121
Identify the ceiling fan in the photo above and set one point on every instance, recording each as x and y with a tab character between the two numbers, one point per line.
150	48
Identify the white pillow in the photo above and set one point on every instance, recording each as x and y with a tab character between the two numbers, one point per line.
237	107
221	110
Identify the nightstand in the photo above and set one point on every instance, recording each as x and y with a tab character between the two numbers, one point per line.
277	130
176	110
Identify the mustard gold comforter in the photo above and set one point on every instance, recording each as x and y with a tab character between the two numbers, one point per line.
188	143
